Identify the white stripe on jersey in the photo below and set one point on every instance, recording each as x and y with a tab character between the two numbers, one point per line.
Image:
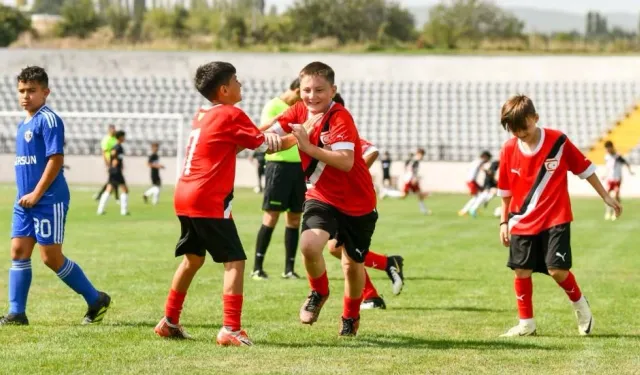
343	146
315	176
227	211
536	194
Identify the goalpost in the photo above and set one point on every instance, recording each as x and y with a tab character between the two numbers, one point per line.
81	128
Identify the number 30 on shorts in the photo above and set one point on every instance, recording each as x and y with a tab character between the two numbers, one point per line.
42	227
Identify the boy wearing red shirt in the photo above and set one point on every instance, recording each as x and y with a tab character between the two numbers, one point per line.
203	199
536	210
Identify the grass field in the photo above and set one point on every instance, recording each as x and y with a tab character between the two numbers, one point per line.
458	298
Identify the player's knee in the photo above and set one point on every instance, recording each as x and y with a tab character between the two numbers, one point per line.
192	262
350	267
52	257
523	274
558	274
270	218
20	251
293	220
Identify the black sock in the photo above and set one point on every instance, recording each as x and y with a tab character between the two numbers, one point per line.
101	191
262	244
115	191
291	236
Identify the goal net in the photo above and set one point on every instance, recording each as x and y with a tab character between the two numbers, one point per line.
84	132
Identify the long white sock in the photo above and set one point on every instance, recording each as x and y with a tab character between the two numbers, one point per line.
155	195
149	191
124	200
479	201
609	210
423	208
469	203
103	202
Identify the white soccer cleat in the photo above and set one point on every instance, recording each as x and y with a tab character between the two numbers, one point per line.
522	329
583	315
607	216
614	217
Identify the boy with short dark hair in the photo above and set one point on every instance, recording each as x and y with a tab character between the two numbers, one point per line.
536	209
341	203
42	202
203	199
116	177
613	177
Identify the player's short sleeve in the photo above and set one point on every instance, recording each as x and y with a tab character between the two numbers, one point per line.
578	164
289	117
343	134
52	129
504	187
246	134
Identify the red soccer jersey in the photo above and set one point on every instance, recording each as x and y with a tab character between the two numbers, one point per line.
367	147
350	192
537	181
205	187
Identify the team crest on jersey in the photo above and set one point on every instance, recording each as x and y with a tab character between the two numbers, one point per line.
324	137
28	135
551	164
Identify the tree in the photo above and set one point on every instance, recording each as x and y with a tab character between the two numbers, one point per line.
163	23
399	23
79	18
118	20
453	21
47	6
12	24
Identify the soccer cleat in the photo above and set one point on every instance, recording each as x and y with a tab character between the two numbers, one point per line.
373	303
14	320
584	316
145	199
291	275
350	326
522	329
171	331
607	216
614	217
259	275
462	213
95	313
233	338
310	309
394	271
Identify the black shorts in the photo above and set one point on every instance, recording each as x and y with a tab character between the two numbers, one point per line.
219	237
284	187
354	232
155	181
116	178
489	184
549	249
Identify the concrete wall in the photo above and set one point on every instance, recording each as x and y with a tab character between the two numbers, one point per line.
378	67
437	176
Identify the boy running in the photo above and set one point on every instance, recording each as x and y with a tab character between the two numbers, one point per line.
613	178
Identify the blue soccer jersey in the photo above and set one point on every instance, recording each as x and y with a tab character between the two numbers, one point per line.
38	138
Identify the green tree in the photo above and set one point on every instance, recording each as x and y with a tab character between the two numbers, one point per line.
47	6
164	23
399	23
79	18
235	29
12	24
118	20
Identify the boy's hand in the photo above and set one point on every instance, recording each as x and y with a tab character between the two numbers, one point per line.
311	122
504	235
273	141
302	136
29	200
611	202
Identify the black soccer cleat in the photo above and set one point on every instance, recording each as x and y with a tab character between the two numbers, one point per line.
373	303
14	320
350	326
95	313
395	273
145	199
259	275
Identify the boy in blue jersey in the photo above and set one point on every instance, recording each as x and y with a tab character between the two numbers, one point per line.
40	210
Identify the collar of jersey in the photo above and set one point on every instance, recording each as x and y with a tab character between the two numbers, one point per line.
25	121
329	110
209	107
538	146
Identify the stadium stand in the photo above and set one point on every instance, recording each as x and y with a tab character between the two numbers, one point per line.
453	120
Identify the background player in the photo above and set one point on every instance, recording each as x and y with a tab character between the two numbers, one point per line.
472	181
613	177
284	192
42	202
203	199
489	188
156	183
536	210
106	145
412	180
116	177
385	164
331	154
257	157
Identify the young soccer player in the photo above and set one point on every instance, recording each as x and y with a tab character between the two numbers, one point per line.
42	202
116	177
536	210
385	163
472	181
412	180
341	203
107	143
613	177
284	192
489	188
203	199
156	183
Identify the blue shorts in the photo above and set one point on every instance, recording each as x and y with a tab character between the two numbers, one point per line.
44	222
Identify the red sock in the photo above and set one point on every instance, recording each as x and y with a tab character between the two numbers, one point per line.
173	307
369	290
351	307
571	287
321	284
524	294
232	311
375	260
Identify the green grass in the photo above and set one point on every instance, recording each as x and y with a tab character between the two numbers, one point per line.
458	298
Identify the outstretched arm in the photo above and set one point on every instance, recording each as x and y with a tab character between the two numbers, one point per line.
602	192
